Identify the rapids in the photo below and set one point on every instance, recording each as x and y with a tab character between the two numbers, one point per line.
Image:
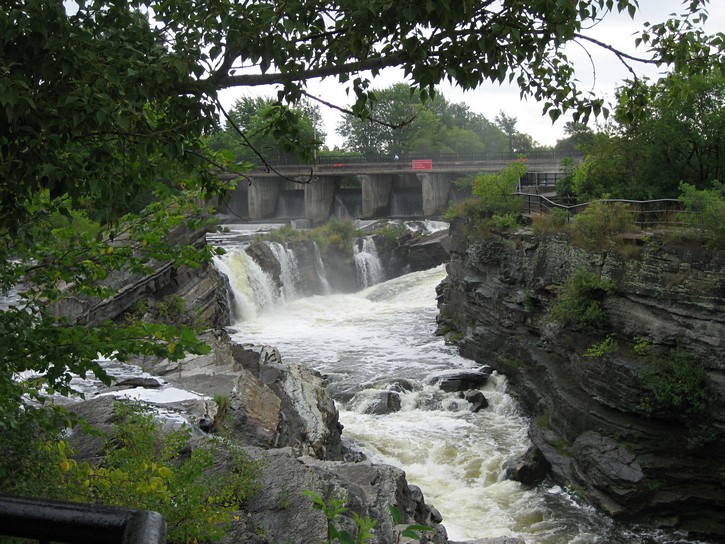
384	334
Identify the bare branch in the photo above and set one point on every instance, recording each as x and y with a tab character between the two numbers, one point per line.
621	55
224	81
268	167
350	112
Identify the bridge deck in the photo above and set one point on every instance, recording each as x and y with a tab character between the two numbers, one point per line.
343	166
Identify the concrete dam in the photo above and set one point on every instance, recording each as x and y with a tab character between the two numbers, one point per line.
360	188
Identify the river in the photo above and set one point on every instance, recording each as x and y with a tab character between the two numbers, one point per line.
367	341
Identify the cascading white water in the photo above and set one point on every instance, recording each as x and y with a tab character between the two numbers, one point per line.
367	263
252	287
289	272
320	270
384	335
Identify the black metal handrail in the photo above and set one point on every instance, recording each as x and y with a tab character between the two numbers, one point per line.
74	523
662	211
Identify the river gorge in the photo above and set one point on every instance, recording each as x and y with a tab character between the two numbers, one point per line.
343	373
378	351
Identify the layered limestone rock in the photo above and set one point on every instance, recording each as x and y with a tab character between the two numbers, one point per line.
204	290
267	403
589	414
281	414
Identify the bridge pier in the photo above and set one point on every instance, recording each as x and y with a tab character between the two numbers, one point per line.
436	188
262	197
376	192
320	197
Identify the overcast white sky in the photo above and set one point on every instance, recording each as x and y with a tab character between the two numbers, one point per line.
616	29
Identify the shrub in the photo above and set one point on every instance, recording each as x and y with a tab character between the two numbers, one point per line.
504	220
470	208
677	384
495	190
339	233
599	224
601	349
143	468
579	301
706	210
336	232
555	220
391	232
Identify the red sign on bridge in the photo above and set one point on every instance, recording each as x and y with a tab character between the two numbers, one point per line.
422	164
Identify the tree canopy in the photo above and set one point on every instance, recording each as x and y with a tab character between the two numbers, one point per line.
249	132
105	105
401	124
679	139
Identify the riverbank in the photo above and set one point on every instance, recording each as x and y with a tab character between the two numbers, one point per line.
598	396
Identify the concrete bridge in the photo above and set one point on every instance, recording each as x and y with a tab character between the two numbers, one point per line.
368	188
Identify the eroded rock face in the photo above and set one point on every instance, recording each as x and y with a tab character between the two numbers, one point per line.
204	290
587	412
271	404
282	513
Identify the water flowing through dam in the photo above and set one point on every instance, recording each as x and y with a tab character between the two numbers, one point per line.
378	350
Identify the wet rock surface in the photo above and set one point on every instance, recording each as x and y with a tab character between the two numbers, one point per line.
281	413
588	415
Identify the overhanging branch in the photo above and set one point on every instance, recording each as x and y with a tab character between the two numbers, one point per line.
224	81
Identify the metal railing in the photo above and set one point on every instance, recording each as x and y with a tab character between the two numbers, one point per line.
645	213
73	523
356	158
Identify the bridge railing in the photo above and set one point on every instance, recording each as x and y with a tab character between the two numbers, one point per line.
325	159
73	523
645	213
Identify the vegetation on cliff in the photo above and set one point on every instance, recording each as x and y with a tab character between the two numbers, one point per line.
104	107
678	140
136	464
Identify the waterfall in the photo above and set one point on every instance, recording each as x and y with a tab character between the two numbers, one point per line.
289	274
406	203
367	263
320	269
252	287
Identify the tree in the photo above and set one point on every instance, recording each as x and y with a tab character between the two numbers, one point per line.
681	136
249	134
104	109
395	110
678	139
578	136
402	125
507	124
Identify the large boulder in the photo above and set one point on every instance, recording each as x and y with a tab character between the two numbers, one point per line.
270	403
462	380
282	512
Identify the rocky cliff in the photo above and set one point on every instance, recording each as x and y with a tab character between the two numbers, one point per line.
598	397
282	414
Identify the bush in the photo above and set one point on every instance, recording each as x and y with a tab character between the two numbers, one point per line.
677	384
339	233
599	224
706	210
495	190
143	468
605	347
504	220
579	301
555	220
470	208
336	232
